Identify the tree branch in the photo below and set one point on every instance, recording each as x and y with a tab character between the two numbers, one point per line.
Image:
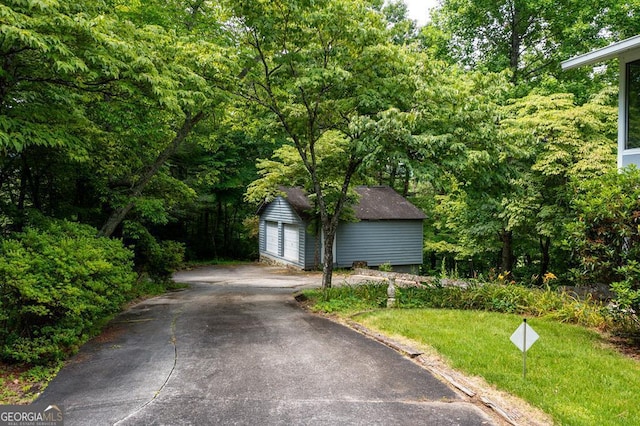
119	214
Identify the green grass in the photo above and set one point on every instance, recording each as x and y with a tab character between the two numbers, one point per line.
496	297
572	374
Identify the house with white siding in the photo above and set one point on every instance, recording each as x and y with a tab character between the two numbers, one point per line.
387	230
628	54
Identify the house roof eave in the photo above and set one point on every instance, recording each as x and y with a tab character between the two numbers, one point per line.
599	55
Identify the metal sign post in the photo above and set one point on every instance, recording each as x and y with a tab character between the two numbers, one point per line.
523	338
524	353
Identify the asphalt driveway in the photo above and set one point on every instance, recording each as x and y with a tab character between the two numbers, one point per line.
235	349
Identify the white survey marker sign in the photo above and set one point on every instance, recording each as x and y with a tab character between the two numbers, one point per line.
524	336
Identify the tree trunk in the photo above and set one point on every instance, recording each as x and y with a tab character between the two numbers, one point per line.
115	219
516	41
23	183
506	264
545	246
119	214
407	177
327	262
392	176
329	222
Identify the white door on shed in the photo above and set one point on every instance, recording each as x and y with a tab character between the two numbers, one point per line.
291	242
272	237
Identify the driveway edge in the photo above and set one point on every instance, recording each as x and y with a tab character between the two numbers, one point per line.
457	381
416	355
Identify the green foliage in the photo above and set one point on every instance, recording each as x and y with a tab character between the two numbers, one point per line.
58	284
503	190
158	258
505	180
348	298
403	30
470	160
606	235
386	267
528	37
167	258
492	297
102	92
553	142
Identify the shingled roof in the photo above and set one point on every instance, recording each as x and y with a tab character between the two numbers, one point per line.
375	203
383	203
298	200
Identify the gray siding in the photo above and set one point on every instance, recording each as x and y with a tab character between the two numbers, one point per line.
376	242
280	212
398	242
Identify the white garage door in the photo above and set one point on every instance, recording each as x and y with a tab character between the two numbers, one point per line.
272	237
291	240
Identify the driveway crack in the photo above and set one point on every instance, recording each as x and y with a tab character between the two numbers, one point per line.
173	339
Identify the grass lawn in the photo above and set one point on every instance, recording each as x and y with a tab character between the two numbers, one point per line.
572	373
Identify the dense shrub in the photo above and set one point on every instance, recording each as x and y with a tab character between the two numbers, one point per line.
606	236
58	283
157	258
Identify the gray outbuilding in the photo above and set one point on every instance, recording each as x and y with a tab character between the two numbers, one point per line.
387	230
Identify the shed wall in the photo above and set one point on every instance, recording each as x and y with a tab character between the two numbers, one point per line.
398	242
281	213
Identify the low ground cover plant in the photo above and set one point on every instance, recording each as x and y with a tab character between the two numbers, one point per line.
349	299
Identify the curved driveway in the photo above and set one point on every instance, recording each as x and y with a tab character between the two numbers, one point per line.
235	349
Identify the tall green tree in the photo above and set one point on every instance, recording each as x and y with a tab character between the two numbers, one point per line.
56	57
528	37
323	71
80	81
188	49
97	97
458	116
561	144
511	190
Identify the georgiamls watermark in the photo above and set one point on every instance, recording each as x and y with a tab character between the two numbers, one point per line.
31	415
